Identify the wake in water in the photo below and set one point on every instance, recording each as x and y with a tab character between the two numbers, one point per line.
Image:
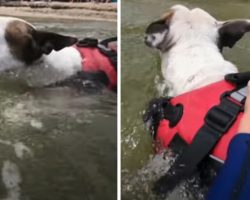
138	185
34	125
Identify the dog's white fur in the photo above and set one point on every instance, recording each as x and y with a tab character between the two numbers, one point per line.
194	60
6	59
56	66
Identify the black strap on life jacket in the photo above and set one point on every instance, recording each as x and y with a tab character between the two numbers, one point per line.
102	46
112	55
87	42
160	109
108	40
217	122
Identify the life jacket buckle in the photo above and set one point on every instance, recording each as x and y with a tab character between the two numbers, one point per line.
88	42
219	119
238	96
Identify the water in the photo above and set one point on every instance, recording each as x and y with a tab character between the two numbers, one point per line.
57	144
141	81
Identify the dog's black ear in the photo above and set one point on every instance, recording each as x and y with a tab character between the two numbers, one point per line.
157	27
160	25
232	31
48	41
157	33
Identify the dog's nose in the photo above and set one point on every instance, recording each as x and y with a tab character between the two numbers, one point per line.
147	41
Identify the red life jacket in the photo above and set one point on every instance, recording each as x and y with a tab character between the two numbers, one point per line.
94	61
195	107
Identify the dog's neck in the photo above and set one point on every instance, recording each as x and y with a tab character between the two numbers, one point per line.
192	65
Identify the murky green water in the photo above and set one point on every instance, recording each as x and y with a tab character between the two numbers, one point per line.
141	78
56	144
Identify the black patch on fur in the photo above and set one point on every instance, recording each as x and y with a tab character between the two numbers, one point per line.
231	32
157	27
48	41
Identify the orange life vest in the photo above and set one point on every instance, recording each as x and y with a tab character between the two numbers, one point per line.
94	61
195	107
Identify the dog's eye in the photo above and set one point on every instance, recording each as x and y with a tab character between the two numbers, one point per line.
152	37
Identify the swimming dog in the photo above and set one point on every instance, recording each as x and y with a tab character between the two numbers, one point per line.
44	58
190	42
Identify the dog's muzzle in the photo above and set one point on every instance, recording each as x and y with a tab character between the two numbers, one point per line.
148	41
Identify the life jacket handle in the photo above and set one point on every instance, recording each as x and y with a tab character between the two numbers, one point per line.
87	42
108	40
160	109
241	78
102	47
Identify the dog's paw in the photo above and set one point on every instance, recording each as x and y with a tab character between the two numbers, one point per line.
154	113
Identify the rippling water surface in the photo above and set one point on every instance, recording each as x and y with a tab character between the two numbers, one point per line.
141	81
55	143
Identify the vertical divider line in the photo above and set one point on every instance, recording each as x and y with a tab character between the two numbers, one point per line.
119	102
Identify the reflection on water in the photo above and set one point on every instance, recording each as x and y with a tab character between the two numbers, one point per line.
55	143
141	81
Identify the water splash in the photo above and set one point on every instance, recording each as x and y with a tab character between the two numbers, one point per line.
19	147
11	178
139	185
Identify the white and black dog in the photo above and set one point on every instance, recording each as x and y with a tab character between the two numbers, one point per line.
54	56
190	42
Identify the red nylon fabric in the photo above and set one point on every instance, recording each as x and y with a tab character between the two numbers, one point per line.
94	61
196	104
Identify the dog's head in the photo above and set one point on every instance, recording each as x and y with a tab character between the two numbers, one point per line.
26	44
182	24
